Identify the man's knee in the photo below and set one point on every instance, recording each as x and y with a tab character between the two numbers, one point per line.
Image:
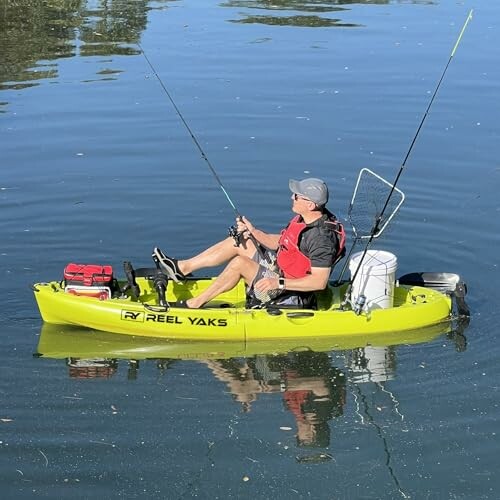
245	266
239	262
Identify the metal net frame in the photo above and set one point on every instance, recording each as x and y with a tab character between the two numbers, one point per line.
374	203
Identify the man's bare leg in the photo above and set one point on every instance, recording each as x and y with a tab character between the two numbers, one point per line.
239	267
216	255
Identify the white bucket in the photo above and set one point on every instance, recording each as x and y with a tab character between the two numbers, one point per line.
375	279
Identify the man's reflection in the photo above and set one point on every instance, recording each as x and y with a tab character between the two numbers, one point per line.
313	391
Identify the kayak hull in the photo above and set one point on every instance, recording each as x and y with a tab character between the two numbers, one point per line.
227	319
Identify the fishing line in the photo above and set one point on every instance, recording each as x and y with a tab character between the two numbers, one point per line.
177	110
403	165
232	230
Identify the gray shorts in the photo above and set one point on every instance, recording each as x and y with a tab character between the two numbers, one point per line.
268	268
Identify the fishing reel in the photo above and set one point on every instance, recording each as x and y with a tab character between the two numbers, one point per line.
357	306
239	238
236	235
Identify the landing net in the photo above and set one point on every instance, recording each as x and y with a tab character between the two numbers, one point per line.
368	201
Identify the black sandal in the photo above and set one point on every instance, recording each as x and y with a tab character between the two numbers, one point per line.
168	265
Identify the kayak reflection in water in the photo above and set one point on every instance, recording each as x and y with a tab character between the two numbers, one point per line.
289	266
313	391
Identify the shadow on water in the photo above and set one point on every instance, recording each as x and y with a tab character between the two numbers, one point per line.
313	8
35	34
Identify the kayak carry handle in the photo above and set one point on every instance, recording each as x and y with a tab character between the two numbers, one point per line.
300	314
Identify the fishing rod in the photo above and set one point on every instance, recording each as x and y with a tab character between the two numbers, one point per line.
203	155
232	230
403	165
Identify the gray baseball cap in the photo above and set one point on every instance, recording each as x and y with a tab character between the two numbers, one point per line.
311	188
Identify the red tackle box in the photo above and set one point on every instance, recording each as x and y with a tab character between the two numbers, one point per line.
90	280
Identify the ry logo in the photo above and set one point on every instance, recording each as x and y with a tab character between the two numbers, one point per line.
133	316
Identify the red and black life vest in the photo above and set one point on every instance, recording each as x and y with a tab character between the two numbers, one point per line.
292	262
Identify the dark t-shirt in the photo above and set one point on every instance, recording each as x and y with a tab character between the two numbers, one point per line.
319	243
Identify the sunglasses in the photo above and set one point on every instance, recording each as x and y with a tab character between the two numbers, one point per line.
298	197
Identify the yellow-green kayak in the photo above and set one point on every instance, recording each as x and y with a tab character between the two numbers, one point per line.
227	319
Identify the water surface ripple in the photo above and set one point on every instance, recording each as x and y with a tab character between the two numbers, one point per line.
97	167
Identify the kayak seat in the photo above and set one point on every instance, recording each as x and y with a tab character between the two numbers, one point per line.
324	298
286	300
213	304
146	272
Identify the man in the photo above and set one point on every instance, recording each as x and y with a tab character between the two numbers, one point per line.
294	263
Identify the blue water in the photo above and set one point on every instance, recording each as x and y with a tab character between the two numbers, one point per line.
98	167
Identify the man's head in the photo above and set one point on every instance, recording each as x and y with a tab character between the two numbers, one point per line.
311	189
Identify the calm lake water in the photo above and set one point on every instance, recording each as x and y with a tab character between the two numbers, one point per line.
97	167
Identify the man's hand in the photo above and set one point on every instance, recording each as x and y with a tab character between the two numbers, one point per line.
244	227
266	284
